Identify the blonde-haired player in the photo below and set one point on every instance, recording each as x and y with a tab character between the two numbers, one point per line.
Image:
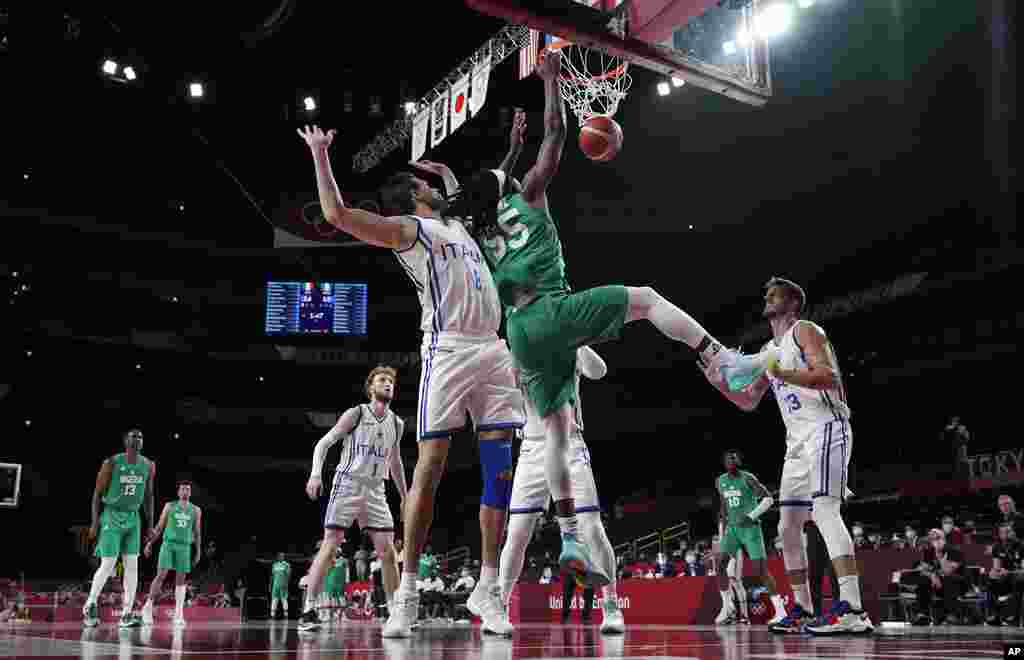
370	453
531	496
804	375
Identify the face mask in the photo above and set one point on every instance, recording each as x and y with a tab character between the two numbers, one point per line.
911	536
691	559
947	527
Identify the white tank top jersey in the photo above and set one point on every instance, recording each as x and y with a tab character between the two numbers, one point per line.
803	408
534	428
366	452
454	283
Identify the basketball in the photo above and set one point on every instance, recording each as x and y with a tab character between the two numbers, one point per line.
601	138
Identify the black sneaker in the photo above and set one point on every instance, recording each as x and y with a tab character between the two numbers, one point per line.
309	621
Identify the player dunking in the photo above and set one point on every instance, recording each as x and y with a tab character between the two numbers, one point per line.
804	375
466	367
530	497
123	485
546	322
743	501
371	452
181	523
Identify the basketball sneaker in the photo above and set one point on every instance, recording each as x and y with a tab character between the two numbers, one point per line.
727	615
739	370
575	561
309	621
404	617
90	616
842	620
794	622
129	620
486	603
614	623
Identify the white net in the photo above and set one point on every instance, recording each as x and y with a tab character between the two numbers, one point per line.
592	82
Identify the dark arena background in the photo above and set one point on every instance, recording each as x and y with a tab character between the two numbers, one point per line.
152	187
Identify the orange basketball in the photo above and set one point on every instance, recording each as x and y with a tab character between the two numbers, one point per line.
601	138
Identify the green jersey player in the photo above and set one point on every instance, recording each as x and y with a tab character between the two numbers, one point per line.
181	524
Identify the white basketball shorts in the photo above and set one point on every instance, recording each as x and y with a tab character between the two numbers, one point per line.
463	377
530	492
355	499
817	464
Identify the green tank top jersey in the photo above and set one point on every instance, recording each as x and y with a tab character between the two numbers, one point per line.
180	523
738	496
527	253
127	489
281	570
341	570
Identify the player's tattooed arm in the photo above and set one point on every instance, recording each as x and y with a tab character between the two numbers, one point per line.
590	363
536	182
397	232
820	373
102	483
515	143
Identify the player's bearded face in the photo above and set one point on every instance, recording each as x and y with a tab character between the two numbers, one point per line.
383	389
774	303
133	440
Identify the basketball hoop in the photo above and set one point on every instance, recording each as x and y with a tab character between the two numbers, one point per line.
592	82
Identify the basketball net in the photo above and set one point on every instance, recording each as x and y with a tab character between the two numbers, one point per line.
592	82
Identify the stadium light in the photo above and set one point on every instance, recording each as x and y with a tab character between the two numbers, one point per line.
729	47
804	4
109	67
677	82
195	90
774	20
309	103
410	108
663	88
129	73
743	37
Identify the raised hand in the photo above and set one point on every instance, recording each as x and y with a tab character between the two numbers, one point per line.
550	64
518	134
440	169
316	138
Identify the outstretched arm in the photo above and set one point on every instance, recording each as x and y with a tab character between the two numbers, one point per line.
515	143
397	232
451	182
746	400
102	483
590	363
345	425
536	183
821	372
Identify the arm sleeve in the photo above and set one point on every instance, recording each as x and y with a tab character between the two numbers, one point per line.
345	425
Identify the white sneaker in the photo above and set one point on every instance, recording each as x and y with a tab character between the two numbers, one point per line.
727	614
780	609
147	615
404	617
487	603
613	623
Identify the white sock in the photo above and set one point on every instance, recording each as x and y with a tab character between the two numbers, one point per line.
408	585
488	575
131	581
726	598
609	592
802	594
676	324
849	590
179	602
99	580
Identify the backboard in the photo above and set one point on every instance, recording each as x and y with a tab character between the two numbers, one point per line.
709	43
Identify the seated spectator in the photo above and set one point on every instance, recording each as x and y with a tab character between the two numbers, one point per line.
465	581
432	594
899	542
874	542
941	573
1005	583
912	542
691	565
1008	512
969	530
953	534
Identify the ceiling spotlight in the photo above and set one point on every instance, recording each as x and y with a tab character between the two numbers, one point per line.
109	67
774	20
410	108
309	103
743	37
195	90
181	207
804	4
26	176
663	88
28	422
129	73
138	366
677	82
28	353
176	436
729	47
261	379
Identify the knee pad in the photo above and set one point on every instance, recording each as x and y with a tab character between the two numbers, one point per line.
496	470
830	523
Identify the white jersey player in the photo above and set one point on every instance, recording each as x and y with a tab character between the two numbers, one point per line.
467	369
805	378
531	495
371	435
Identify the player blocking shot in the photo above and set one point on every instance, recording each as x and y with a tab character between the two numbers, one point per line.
181	526
371	434
466	368
743	501
546	321
531	497
123	486
803	374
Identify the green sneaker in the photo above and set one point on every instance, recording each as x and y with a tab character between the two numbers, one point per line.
575	561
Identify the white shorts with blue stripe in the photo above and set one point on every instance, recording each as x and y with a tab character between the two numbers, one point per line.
467	376
354	499
828	448
530	492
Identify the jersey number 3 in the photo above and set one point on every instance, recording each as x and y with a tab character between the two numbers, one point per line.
792	402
